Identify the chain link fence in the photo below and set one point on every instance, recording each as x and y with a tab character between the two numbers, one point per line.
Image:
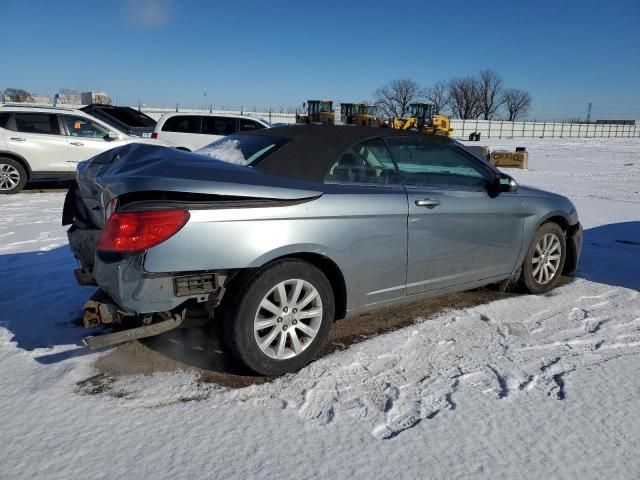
505	129
462	128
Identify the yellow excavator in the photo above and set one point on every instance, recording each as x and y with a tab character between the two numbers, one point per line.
319	112
425	120
359	114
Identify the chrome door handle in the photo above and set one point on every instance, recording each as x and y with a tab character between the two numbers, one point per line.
76	144
18	139
427	202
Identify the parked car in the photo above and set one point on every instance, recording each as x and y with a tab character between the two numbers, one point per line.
191	131
46	143
320	223
125	119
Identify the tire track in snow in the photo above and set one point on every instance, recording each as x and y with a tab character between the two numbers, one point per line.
408	378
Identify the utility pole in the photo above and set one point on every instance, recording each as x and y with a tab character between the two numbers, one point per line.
589	113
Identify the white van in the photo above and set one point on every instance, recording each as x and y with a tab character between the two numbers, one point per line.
192	131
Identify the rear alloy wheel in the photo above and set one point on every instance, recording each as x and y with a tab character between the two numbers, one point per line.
288	319
281	319
13	176
544	261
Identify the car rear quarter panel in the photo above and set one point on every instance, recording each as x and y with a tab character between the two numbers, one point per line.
365	235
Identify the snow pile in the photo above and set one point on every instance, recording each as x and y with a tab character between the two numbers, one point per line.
523	387
225	150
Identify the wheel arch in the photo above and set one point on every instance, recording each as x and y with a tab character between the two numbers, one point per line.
333	273
558	218
323	263
20	159
571	252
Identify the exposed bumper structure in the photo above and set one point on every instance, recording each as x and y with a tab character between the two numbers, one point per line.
172	321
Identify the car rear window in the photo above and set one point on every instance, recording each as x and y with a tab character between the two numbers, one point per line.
183	124
243	149
130	117
219	125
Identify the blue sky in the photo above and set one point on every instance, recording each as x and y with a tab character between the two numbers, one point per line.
260	53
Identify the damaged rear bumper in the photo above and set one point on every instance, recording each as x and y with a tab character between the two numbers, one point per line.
100	309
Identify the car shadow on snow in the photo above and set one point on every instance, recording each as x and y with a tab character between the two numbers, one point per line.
611	255
41	305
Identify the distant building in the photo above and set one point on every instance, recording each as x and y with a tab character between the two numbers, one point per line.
95	97
40	98
67	98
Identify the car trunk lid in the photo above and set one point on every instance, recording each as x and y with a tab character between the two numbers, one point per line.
141	168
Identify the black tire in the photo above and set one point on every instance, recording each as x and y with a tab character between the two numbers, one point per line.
243	305
531	277
12	167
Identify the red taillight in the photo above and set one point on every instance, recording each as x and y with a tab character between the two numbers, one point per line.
154	135
135	231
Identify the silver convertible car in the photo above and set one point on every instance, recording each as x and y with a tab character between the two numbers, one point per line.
280	232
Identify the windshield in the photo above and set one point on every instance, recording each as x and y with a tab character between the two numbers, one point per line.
243	149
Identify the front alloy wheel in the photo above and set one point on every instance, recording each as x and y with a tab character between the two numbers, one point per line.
546	258
544	261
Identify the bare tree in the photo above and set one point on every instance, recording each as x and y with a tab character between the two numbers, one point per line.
463	97
517	103
438	95
17	95
490	97
393	99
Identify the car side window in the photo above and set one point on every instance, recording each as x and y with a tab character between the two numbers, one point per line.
44	123
368	162
83	127
425	162
219	125
182	124
246	124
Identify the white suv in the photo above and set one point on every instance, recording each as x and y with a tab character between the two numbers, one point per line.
42	143
192	131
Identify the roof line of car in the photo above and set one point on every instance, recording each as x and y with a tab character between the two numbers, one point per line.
43	107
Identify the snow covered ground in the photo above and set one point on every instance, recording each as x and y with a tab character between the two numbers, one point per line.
523	387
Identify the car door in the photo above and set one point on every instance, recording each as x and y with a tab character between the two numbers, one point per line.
367	205
87	138
39	139
457	232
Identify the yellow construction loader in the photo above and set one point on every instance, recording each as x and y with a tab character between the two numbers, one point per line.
359	114
425	120
319	112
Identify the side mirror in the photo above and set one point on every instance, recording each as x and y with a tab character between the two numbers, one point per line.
506	184
109	137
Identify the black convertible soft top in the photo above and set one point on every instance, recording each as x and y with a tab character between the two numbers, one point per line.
311	150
